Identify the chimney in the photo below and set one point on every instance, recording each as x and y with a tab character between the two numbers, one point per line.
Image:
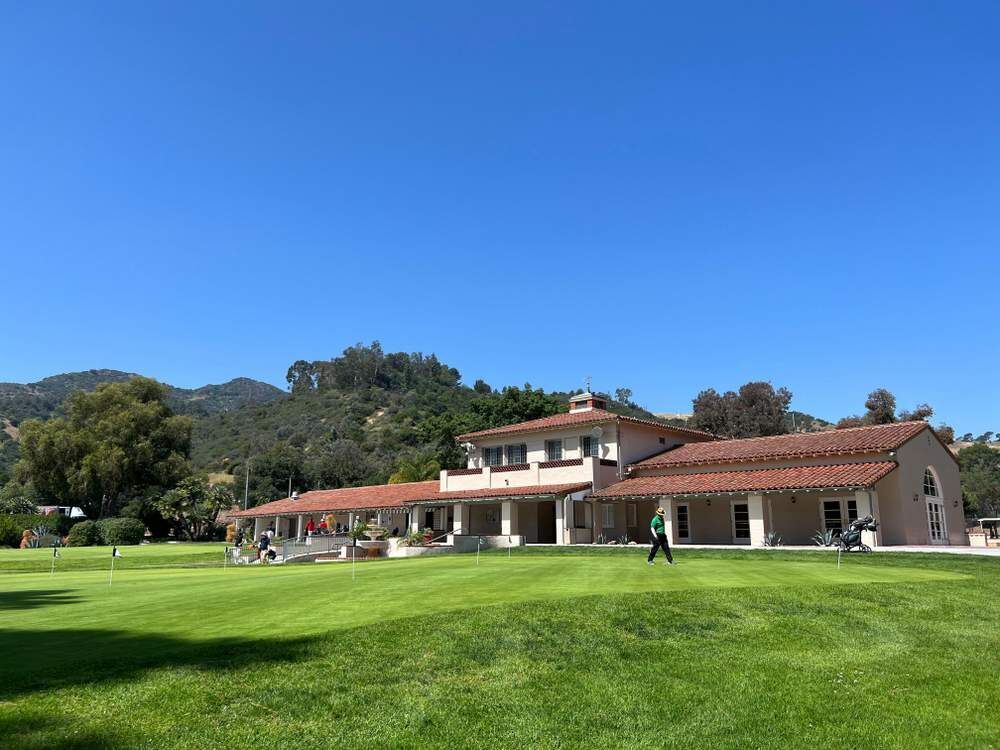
587	401
295	496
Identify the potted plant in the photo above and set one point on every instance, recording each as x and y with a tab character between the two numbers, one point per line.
428	535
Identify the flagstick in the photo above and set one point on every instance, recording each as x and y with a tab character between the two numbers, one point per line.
53	571
110	577
354	562
839	549
479	544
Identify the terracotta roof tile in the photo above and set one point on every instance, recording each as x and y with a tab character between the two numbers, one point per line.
857	475
383	496
575	418
852	441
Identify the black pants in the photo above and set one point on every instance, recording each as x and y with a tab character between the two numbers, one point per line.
659	540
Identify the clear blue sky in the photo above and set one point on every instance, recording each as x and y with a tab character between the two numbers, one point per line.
664	198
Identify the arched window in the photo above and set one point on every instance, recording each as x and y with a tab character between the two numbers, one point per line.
930	483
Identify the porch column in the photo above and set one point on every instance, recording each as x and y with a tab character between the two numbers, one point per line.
415	514
560	526
460	519
508	518
863	500
596	521
298	525
755	504
277	525
667	503
258	527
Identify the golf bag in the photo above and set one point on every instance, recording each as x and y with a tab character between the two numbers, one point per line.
850	539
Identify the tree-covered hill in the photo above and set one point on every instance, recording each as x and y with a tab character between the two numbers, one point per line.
20	401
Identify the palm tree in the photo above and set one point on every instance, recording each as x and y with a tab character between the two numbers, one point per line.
416	469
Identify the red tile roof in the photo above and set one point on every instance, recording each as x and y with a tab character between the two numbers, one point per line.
498	492
576	418
384	496
348	498
835	476
852	441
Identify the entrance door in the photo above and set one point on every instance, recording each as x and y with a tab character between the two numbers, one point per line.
936	523
740	517
547	522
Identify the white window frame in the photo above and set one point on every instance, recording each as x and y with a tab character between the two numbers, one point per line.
551	456
845	511
522	451
606	509
677	521
934	509
493	449
595	446
732	521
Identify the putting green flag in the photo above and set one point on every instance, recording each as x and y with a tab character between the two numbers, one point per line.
55	552
116	552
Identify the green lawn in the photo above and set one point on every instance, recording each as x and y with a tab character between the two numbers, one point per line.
577	649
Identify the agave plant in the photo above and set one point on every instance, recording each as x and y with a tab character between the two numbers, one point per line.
823	538
623	539
772	539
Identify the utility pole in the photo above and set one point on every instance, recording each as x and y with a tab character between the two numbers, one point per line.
246	489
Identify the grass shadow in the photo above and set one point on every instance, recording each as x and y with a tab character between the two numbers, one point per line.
34	598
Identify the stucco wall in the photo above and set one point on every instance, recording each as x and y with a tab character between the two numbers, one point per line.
535	441
920	452
638	442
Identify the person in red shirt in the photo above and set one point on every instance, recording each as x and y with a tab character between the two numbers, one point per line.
310	527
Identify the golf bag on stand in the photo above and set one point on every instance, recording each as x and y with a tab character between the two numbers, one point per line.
850	539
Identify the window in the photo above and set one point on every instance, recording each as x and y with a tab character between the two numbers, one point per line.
608	517
684	522
633	515
936	524
930	484
832	518
579	515
591	446
493	456
741	521
553	450
852	510
517	454
663	441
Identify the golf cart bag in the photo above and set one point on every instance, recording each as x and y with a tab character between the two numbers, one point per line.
850	539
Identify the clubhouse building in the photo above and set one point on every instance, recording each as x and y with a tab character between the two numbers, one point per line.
591	476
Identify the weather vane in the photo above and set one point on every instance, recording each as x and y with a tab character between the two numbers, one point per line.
589	379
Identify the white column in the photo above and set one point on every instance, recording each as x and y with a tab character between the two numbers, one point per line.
596	521
667	503
460	520
863	500
298	526
560	526
415	514
277	525
508	521
258	527
755	504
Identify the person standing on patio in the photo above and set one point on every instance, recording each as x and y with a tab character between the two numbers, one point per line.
310	527
658	537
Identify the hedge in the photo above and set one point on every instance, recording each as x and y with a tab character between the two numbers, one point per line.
84	534
121	530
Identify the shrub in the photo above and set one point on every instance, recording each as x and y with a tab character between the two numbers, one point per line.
120	530
10	532
84	534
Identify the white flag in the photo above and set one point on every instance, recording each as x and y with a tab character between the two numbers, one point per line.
116	552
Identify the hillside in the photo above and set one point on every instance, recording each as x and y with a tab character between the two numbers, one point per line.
797	421
40	400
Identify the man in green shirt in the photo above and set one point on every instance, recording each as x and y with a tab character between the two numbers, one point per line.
658	536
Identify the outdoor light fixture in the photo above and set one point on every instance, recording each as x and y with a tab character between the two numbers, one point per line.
915	497
793	498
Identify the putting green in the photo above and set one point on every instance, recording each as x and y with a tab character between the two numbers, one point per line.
311	598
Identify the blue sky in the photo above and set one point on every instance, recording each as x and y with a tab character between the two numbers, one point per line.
665	198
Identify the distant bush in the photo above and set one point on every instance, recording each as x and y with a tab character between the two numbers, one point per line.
10	532
120	530
84	534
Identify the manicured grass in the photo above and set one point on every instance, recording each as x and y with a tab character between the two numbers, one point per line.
159	555
728	649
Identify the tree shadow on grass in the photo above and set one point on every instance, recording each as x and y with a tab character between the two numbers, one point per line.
34	660
32	599
35	730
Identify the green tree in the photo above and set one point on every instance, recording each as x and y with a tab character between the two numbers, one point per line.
980	479
881	407
194	506
114	443
757	409
854	420
16	497
416	468
920	412
270	472
511	405
946	433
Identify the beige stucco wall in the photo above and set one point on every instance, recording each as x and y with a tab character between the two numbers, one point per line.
914	456
535	442
638	442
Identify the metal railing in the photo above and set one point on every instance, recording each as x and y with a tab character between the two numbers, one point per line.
312	545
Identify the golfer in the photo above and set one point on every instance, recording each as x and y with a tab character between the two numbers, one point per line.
658	537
